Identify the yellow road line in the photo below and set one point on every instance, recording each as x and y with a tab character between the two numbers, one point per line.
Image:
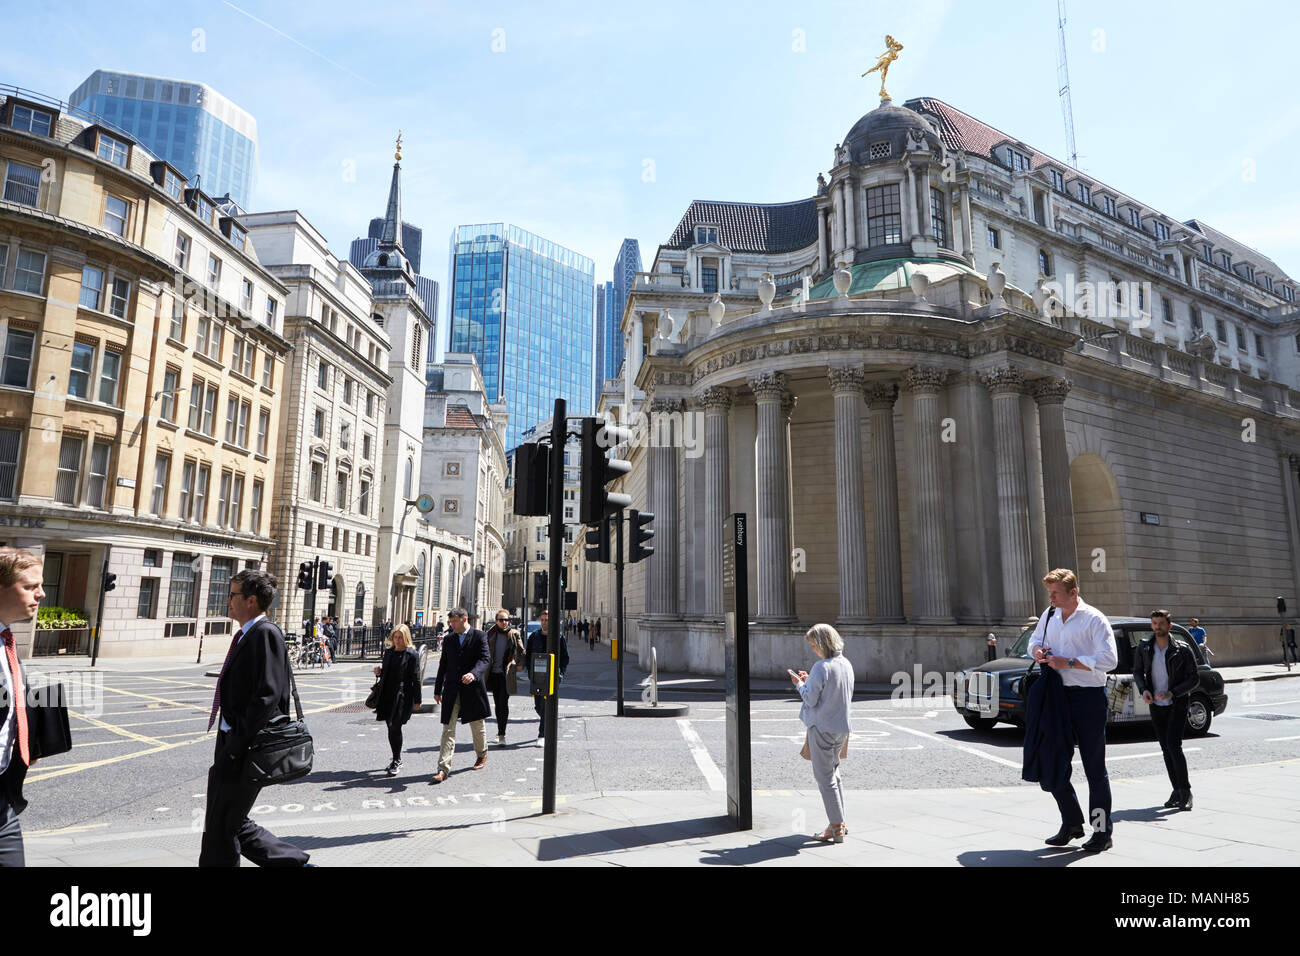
118	730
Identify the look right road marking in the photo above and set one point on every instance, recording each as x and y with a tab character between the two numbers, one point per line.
707	767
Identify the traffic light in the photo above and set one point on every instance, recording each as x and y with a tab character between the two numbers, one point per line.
305	581
636	521
540	581
324	576
598	549
532	479
599	470
110	580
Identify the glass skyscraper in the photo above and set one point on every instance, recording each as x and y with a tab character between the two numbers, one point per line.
604	309
523	306
626	265
190	125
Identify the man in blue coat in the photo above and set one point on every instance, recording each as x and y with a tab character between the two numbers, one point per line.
461	689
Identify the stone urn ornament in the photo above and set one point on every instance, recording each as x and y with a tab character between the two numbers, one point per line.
843	278
920	285
766	290
716	309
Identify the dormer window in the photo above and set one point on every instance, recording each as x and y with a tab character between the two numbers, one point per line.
1267	282
1019	161
1085	193
1108	205
1249	270
1207	253
1225	260
31	120
1288	293
705	234
1161	230
1135	218
1058	179
112	149
203	208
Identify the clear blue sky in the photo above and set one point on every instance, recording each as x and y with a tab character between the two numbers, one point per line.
1182	105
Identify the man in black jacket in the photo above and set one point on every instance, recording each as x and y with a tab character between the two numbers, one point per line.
1165	672
253	687
20	596
537	647
461	690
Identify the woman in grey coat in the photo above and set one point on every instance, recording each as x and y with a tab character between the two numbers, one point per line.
827	695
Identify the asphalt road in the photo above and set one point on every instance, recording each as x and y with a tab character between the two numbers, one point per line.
141	751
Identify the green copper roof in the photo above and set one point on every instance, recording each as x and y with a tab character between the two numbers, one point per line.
885	275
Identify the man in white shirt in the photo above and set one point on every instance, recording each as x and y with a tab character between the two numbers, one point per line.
1076	640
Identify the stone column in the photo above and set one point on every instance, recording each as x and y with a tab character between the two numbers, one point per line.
931	597
822	256
839	217
694	518
884	479
851	239
1050	394
1290	466
1007	385
661	492
911	215
967	231
771	457
860	210
927	227
716	403
851	521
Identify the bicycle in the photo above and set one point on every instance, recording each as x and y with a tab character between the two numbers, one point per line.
314	653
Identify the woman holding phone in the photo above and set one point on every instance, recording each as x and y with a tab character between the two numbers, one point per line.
827	694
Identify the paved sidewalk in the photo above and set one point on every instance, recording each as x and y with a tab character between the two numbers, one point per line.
1243	816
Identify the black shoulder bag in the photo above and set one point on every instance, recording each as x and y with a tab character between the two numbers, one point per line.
282	751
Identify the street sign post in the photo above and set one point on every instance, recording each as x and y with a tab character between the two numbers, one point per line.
735	605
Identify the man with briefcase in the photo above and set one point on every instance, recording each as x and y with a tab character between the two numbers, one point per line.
252	689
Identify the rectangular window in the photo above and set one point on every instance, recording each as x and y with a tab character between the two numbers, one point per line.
1058	179
236	352
334	540
210	411
884	216
1196	318
1225	260
173	185
320	536
306	535
1241	339
341	491
347	541
115	215
22	183
370	405
323	376
246	296
316	481
938	220
214	272
1108	205
219	586
112	149
201	494
1161	230
186	510
196	405
171	380
177	330
83	363
1259	345
108	377
10	443
33	121
995	239
365	447
1166	309
4	262
347	391
367	546
147	603
345	436
271	308
237	502
161	470
1221	331
98	482
29	276
65	481
92	287
182	251
237	237
232	413
263	427
255	509
182	593
241	431
268	369
318	424
1085	193
709	278
223	500
363	504
120	298
1135	217
18	358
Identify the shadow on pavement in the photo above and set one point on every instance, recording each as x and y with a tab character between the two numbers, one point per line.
626	838
778	848
1145	814
1046	856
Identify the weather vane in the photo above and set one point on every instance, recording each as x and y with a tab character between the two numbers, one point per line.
398	155
886	58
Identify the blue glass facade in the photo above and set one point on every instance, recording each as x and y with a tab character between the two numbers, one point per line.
626	265
605	329
188	124
524	308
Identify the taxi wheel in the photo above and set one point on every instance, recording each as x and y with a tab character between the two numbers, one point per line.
979	723
1199	715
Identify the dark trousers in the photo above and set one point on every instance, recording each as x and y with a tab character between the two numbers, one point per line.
1170	722
227	831
1088	726
500	700
395	738
539	704
11	834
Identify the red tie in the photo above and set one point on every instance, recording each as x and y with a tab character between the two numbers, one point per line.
216	698
19	696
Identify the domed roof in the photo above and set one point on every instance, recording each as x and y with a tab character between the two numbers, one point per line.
895	125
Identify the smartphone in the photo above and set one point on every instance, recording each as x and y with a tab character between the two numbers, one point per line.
792	673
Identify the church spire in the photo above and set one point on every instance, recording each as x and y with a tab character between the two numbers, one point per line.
391	236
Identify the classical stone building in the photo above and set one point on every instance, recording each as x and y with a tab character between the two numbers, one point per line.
464	469
142	362
331	420
957	365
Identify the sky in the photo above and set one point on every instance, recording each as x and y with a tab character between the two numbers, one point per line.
590	122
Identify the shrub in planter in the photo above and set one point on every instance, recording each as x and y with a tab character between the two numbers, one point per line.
60	618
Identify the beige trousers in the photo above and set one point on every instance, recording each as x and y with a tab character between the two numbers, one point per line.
449	739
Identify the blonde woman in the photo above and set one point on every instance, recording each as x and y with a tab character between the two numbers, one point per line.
399	689
827	695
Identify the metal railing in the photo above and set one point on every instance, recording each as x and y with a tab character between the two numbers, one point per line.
55	641
367	643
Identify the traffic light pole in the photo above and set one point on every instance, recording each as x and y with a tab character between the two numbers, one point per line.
618	603
99	615
555	599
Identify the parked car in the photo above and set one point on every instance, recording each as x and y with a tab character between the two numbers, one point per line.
992	692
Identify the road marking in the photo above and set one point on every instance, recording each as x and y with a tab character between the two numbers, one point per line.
969	750
702	759
1272	740
1110	759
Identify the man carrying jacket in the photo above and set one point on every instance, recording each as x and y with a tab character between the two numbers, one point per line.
1165	673
461	689
506	655
20	596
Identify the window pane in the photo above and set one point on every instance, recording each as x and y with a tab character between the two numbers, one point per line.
98	474
30	274
22	183
92	287
65	482
10	442
121	294
18	358
180	597
115	215
108	378
219	586
83	360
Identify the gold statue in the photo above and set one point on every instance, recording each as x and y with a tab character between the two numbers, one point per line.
398	155
886	58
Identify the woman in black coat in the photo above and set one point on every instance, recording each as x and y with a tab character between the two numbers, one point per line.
399	689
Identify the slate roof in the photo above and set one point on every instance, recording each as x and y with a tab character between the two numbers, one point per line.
1239	250
962	131
751	227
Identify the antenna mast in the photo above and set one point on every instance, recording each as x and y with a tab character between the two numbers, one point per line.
1063	79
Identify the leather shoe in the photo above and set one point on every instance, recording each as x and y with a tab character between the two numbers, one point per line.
480	763
1064	836
1175	798
439	777
1186	802
1097	842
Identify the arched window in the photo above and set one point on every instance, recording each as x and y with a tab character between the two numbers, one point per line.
359	611
437	581
452	600
406	481
1044	262
419	581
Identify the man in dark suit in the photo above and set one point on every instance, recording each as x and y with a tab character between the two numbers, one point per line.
461	689
536	647
253	687
20	596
